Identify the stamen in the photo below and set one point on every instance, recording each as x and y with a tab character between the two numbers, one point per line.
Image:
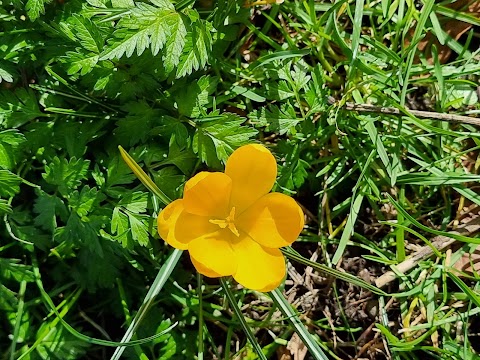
233	229
228	222
222	223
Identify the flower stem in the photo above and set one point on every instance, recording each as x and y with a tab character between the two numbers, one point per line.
300	329
160	280
241	319
200	316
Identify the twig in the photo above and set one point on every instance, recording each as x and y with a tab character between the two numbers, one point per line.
406	112
440	243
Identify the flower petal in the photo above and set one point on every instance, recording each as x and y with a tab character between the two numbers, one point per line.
208	194
204	270
189	227
214	254
275	220
259	268
167	219
253	171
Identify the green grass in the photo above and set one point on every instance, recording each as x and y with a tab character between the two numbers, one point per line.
177	87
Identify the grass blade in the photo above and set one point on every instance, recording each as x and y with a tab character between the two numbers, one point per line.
144	178
473	296
18	319
293	255
241	319
348	231
433	231
70	329
160	280
300	329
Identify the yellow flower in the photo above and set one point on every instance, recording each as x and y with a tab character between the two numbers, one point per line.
230	223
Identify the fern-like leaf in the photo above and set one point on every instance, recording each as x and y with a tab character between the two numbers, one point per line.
197	48
35	8
145	27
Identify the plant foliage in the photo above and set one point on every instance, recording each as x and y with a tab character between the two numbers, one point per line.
180	85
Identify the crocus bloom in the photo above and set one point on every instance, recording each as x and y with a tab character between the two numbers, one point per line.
230	223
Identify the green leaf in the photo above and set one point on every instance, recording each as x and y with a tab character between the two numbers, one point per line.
184	159
377	142
59	342
172	180
197	47
98	3
19	107
87	32
5	207
121	227
146	26
293	174
191	102
127	224
98	268
281	120
9	183
137	125
67	175
79	61
297	76
12	268
278	90
215	140
118	172
82	231
175	43
8	300
74	136
7	72
10	140
85	201
139	230
35	8
348	230
123	4
134	202
47	207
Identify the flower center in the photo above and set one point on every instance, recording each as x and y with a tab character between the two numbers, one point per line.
229	222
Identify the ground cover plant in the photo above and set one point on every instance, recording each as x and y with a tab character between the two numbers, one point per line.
108	108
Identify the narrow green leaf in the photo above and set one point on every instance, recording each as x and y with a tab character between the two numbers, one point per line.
79	335
294	256
426	228
162	277
279	55
241	319
300	329
144	178
472	295
348	230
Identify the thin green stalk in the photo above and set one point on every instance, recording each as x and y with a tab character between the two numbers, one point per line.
160	280
241	319
59	316
143	177
227	342
128	317
200	316
18	320
300	329
293	255
400	233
